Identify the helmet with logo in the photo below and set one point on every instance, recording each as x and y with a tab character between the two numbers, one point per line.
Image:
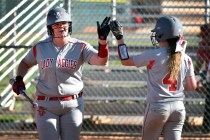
167	27
58	15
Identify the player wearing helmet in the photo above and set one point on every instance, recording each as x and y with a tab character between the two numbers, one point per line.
59	88
167	68
202	71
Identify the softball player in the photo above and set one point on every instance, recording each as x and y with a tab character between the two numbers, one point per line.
59	89
203	58
167	68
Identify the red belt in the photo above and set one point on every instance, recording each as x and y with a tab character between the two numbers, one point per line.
67	98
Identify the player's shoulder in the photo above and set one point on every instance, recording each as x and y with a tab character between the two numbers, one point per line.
157	50
75	40
186	56
44	41
78	41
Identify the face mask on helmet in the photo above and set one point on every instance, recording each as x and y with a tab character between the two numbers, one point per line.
58	15
166	27
153	39
50	30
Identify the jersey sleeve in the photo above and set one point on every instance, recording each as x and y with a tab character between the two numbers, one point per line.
141	59
30	57
88	52
190	67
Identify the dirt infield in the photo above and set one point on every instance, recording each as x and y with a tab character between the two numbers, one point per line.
34	137
23	137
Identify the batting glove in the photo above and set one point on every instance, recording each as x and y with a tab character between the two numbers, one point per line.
103	29
18	84
117	29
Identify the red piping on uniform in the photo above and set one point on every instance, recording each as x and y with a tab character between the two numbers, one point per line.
34	51
151	63
83	47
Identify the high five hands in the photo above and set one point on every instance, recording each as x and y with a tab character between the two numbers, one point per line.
117	30
104	28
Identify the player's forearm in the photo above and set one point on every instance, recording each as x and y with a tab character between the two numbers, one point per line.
121	41
126	60
103	51
96	60
101	57
102	42
102	61
22	69
190	83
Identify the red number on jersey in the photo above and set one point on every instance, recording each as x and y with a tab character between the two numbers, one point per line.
171	82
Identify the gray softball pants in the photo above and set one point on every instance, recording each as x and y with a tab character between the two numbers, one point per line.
59	120
164	118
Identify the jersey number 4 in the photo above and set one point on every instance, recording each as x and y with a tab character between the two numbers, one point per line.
171	82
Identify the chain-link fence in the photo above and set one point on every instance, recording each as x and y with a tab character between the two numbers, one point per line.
114	94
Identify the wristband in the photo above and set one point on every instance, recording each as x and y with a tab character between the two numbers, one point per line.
103	50
102	37
123	52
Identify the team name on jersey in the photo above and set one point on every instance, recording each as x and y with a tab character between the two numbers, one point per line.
46	63
66	63
61	63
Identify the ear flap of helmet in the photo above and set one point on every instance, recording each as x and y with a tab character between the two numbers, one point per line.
49	30
70	28
153	39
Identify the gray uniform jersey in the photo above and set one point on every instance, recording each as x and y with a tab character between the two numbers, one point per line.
160	87
60	70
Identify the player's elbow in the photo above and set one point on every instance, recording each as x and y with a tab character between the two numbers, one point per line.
104	63
128	62
123	63
190	87
96	60
191	83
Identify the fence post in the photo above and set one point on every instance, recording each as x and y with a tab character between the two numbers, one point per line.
67	6
114	12
14	71
207	11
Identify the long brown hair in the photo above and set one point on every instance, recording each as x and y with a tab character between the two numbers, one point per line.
175	58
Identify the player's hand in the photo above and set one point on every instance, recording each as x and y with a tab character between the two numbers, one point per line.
18	84
117	29
103	29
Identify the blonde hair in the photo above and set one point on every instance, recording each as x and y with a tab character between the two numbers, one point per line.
175	59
